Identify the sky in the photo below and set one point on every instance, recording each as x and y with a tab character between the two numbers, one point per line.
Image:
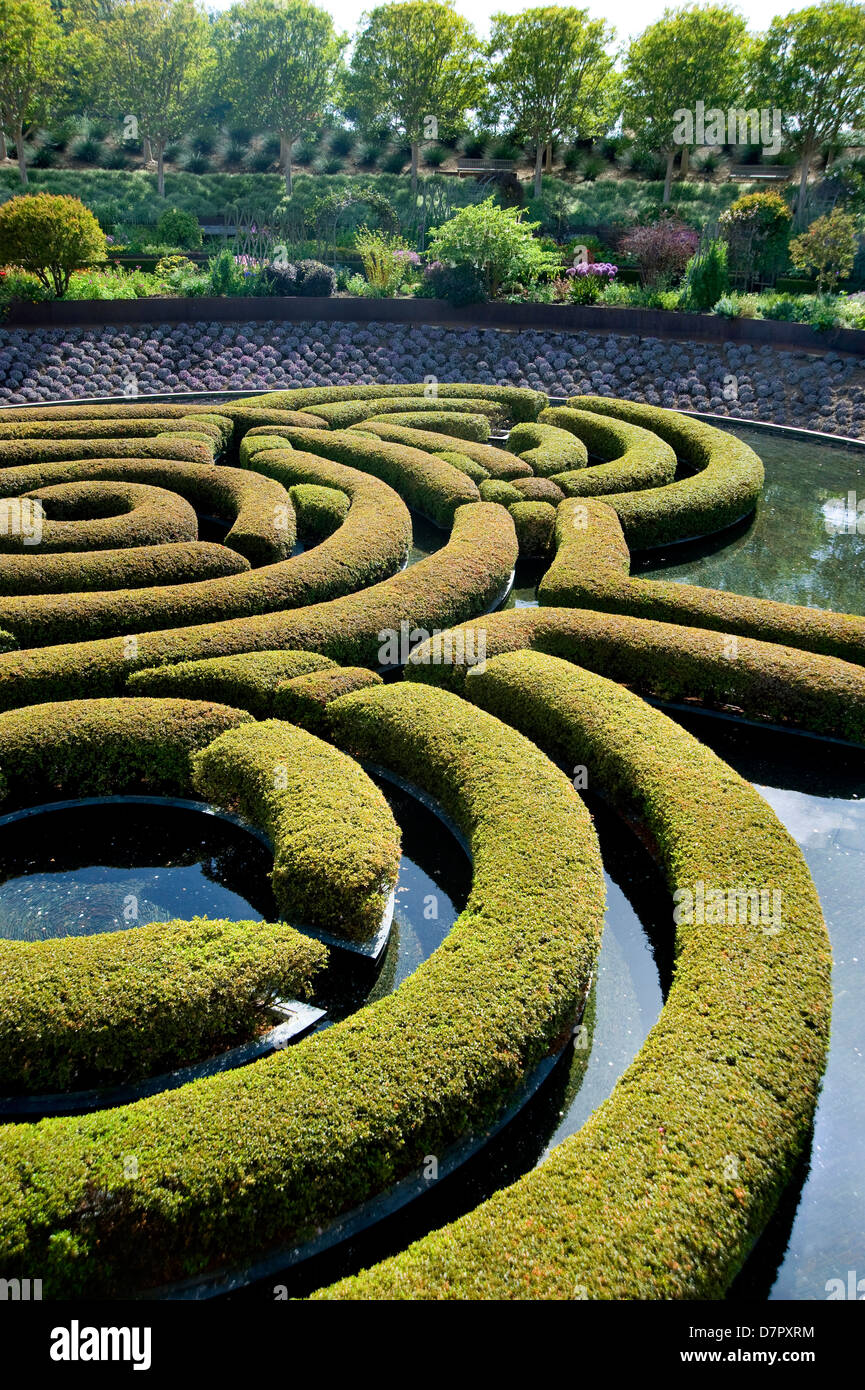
628	17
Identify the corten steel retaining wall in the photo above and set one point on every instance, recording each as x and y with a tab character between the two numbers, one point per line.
557	318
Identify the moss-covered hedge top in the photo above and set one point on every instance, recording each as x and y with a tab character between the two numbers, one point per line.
664	1190
632	457
467	576
497	463
548	448
339	415
287	1144
590	570
760	680
519	402
725	487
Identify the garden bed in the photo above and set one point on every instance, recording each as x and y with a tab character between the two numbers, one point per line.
562	318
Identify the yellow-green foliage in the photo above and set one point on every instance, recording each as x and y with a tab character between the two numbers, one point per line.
641	1204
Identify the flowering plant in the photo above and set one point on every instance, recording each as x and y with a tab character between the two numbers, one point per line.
588	281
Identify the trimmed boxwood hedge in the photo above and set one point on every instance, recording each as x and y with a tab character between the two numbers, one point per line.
163	446
547	448
475	471
644	1202
467	576
760	680
536	525
304	699
249	681
725	487
294	1140
88	1011
454	425
320	510
262	522
632	457
426	483
497	463
591	571
519	402
371	544
336	845
106	516
118	569
339	415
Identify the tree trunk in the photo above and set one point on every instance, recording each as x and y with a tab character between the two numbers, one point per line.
148	150
539	154
160	167
668	179
414	154
803	184
549	156
19	150
684	160
285	145
3	152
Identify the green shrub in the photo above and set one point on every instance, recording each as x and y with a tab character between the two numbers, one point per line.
547	448
732	1066
827	249
50	236
494	242
706	278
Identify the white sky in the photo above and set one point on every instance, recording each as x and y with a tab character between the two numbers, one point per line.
628	17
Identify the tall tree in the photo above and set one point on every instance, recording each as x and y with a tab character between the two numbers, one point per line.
690	55
418	65
811	64
278	64
32	71
159	61
554	76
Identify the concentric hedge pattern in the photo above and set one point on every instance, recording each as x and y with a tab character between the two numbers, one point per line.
137	655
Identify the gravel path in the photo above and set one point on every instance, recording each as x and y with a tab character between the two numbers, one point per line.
788	388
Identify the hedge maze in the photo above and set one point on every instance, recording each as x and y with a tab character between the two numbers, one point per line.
264	671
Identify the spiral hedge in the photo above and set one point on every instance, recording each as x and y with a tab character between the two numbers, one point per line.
136	655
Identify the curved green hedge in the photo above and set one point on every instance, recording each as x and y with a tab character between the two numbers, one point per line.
457	426
665	1189
257	507
497	463
285	1146
336	845
105	516
590	570
467	576
189	563
519	402
304	699
547	448
320	510
162	446
87	1011
632	457
370	545
424	482
725	488
339	415
760	680
249	681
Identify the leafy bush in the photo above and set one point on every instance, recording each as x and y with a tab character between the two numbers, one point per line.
662	249
51	236
757	228
342	142
386	260
706	277
457	284
495	243
435	155
827	249
315	280
177	228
